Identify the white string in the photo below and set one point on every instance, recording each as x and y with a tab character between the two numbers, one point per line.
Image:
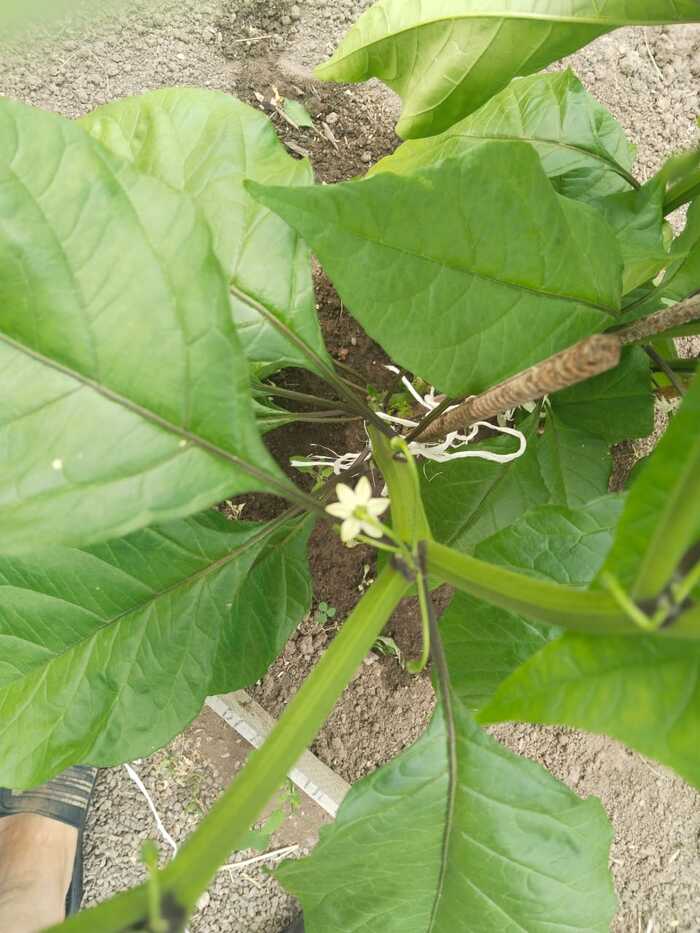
437	451
267	857
152	807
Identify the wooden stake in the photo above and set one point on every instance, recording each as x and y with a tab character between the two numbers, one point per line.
682	313
589	357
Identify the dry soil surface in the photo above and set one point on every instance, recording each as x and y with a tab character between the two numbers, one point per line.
648	79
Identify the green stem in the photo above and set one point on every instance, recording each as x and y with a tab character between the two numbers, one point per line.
426	613
222	830
320	365
680	366
324	417
627	604
683	589
591	611
263	389
662	366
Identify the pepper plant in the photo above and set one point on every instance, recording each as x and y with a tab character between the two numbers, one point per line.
155	275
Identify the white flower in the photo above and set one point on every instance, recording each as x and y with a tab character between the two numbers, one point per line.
358	510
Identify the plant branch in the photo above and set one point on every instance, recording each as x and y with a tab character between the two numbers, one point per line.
593	612
585	359
320	365
661	321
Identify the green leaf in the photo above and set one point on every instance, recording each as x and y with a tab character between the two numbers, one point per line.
682	277
207	143
446	58
297	113
616	405
501	843
124	394
485	644
660	520
583	149
681	179
555	543
472	303
637	218
109	651
469	500
575	465
643	691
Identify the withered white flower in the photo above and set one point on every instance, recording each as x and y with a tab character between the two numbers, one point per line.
358	509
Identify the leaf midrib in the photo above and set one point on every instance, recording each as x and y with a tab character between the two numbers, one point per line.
533	140
504	283
597	22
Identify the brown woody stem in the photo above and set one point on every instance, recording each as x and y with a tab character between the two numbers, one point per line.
682	313
589	357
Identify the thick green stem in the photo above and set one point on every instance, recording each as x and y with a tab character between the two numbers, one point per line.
222	830
591	611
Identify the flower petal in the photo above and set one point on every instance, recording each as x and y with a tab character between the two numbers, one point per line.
345	495
349	529
363	491
339	509
377	507
371	530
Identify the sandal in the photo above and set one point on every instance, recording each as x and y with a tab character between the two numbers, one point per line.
65	798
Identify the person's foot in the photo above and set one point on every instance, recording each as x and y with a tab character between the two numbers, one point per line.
41	850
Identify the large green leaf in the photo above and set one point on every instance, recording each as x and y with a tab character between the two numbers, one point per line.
616	405
124	395
473	302
660	520
484	644
583	148
446	58
497	845
207	143
109	651
556	543
644	691
469	500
